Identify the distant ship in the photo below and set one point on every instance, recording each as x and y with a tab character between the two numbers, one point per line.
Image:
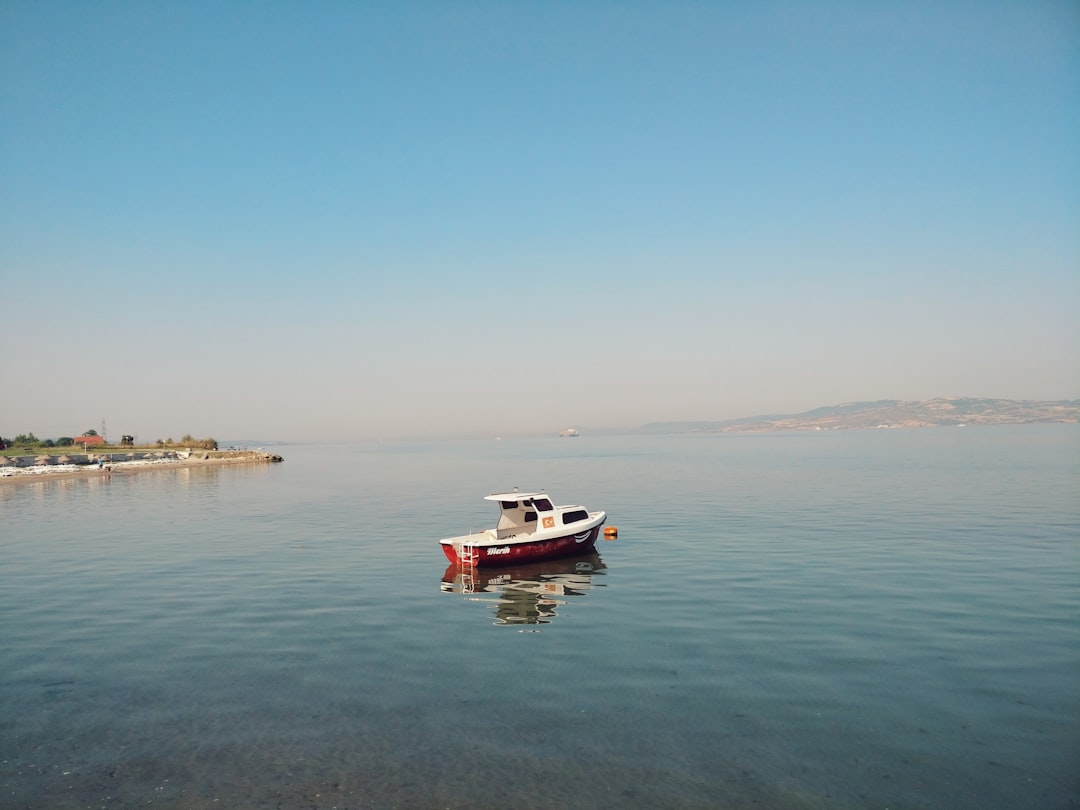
569	433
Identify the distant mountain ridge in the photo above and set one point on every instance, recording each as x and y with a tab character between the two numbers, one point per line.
892	413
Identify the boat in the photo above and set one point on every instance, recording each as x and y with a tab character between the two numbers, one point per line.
569	433
530	529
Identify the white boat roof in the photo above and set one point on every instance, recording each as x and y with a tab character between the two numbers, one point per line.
514	496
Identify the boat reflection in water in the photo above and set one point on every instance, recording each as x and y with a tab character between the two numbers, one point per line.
527	594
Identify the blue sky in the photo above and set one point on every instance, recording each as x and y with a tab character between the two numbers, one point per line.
371	220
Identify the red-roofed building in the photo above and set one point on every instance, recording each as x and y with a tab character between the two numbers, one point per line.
89	440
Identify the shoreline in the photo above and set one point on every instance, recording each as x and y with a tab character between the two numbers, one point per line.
54	472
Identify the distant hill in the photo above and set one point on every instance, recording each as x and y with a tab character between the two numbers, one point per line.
892	413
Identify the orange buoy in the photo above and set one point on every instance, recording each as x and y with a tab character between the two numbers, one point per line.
610	533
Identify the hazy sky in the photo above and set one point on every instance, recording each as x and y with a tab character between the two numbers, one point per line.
318	220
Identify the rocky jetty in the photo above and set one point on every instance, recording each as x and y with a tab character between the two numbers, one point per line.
25	468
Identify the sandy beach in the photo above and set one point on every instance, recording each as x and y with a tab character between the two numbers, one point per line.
38	472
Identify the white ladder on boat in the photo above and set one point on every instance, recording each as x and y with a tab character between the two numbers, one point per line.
467	553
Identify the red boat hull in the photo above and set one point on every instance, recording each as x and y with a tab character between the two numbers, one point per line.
569	545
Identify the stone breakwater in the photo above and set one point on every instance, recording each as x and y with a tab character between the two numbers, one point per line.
31	467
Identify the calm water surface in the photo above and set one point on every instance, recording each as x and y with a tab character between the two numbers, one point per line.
843	620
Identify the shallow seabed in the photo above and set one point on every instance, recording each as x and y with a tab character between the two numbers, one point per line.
840	620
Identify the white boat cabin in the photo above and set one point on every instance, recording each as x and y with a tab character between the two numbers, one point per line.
529	512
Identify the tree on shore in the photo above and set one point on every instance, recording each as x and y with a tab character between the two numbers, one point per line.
28	441
187	440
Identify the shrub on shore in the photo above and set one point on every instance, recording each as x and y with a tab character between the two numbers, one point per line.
27	442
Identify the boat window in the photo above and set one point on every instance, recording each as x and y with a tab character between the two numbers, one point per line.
543	504
530	517
508	504
575	516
